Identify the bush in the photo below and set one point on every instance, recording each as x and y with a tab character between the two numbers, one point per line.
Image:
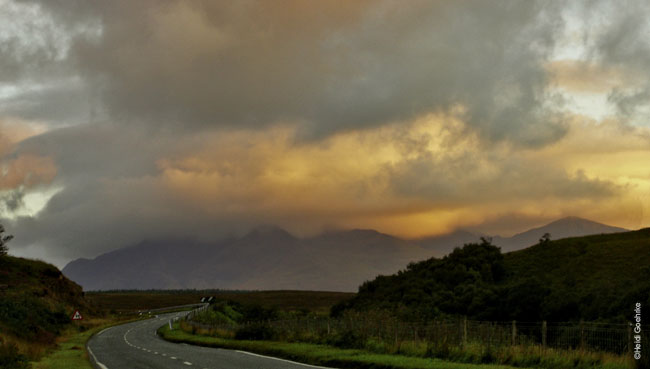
31	319
346	339
258	331
257	313
10	358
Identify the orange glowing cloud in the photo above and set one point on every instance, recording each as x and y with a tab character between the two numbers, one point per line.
24	170
427	176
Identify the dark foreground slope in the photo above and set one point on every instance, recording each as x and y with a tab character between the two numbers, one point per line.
36	301
591	278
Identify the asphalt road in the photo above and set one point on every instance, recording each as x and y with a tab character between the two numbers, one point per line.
136	346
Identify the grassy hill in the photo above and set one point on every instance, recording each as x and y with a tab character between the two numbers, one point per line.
590	278
36	303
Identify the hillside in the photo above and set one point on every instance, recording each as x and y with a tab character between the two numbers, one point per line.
589	277
592	278
36	303
36	299
272	258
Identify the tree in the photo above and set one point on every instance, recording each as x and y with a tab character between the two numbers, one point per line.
4	239
546	239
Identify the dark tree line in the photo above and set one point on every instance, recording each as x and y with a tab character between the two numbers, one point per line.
476	281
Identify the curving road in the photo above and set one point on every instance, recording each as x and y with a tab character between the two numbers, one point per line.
136	346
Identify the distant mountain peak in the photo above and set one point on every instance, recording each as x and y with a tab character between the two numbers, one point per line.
270	232
570	226
365	231
573	219
355	233
573	223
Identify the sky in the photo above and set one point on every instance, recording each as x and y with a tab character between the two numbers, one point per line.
123	121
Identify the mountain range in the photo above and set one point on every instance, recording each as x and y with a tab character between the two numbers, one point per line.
272	258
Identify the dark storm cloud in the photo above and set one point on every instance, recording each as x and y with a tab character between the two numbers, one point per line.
66	102
331	66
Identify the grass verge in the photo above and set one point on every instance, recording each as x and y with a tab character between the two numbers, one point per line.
320	354
70	352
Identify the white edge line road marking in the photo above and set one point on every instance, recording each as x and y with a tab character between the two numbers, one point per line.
104	330
187	363
102	366
288	361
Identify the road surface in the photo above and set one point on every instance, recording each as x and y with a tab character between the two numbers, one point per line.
136	346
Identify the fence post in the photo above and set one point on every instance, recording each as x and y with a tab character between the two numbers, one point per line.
514	332
489	335
464	331
582	336
396	332
629	338
544	334
328	326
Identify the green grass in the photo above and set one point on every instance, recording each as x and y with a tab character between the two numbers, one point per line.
70	353
320	354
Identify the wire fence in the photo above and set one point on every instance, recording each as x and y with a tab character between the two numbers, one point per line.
587	336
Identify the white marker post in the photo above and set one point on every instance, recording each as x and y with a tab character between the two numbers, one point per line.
170	325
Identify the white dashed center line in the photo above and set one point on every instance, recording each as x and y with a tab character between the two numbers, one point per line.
145	349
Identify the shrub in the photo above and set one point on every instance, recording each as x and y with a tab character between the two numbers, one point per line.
30	318
10	358
256	331
346	339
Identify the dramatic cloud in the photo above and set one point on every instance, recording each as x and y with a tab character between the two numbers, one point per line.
122	121
335	66
410	179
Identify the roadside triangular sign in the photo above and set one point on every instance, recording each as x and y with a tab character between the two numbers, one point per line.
77	315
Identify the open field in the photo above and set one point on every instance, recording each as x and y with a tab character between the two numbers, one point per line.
131	301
